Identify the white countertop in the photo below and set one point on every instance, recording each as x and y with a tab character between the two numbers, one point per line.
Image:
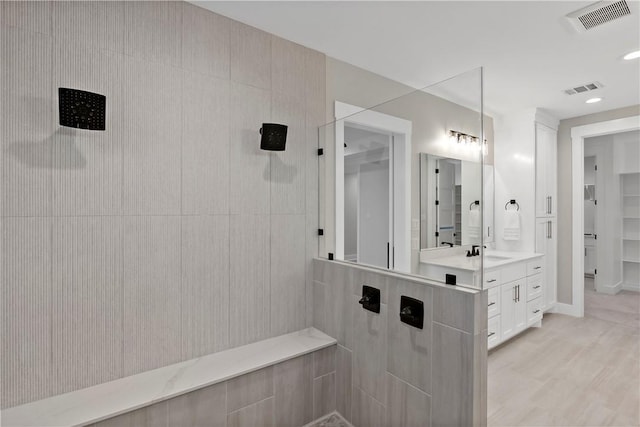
109	399
462	262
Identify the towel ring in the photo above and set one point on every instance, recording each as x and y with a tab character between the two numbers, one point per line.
511	202
477	202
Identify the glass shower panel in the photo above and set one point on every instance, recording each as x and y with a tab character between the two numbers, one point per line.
378	205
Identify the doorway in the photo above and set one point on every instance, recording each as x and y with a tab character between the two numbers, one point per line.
396	190
368	199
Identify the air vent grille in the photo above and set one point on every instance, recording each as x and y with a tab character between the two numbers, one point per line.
605	14
598	14
583	88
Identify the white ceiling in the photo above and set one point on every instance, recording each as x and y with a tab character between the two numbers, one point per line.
529	52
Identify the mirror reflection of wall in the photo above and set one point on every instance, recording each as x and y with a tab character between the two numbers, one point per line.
450	202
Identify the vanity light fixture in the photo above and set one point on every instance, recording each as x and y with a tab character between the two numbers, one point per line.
464	138
593	100
632	55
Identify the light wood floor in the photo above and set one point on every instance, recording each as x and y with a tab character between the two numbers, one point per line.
571	372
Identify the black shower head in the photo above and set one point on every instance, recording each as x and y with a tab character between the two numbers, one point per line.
274	137
82	110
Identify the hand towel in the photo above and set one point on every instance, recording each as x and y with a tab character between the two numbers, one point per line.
511	225
474	224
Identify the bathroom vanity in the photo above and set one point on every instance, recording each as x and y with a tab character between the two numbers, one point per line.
514	282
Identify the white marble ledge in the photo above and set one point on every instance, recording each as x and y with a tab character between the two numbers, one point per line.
109	399
492	259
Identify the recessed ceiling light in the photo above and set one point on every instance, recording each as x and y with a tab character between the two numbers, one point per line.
632	55
593	100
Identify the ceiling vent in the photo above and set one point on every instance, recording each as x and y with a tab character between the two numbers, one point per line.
583	88
598	14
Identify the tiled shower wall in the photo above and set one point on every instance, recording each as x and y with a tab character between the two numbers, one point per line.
391	374
170	235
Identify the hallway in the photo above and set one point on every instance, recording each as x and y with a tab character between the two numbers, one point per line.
572	371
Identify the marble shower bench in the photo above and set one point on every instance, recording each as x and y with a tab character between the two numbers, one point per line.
286	380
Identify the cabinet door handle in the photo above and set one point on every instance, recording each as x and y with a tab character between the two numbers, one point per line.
488	231
514	294
536	311
491	281
491	303
517	293
491	334
536	287
550	203
537	268
548	229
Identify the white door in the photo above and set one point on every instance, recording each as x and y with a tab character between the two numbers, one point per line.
546	243
546	174
374	239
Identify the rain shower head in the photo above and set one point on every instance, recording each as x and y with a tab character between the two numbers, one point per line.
81	110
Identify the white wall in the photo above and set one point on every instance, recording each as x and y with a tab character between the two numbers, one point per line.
626	149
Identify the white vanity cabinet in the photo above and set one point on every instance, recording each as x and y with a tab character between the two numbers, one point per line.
546	171
515	298
547	244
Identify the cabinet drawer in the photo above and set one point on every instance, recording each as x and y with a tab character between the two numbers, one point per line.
491	279
534	311
493	331
534	287
493	305
513	272
536	266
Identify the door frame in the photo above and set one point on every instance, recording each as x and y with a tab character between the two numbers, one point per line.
347	113
578	135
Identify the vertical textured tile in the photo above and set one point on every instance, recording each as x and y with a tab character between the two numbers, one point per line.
205	41
409	349
454	308
29	15
96	24
28	122
249	297
249	389
294	391
287	274
406	405
260	414
367	412
87	166
153	31
87	309
205	145
341	305
250	166
324	361
288	172
370	351
343	382
151	292
480	384
452	382
324	395
205	285
250	56
26	310
151	138
320	306
204	407
288	62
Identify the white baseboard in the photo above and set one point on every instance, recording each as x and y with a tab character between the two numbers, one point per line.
568	309
611	290
635	287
